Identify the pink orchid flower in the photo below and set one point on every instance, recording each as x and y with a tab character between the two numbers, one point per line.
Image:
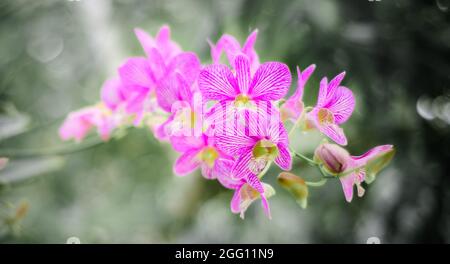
199	152
293	107
184	103
338	161
246	191
78	124
142	76
334	106
232	48
254	140
242	90
112	93
162	43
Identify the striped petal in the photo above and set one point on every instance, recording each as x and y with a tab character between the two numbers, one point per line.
271	82
216	82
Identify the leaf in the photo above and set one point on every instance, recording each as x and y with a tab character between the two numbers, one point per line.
20	170
13	125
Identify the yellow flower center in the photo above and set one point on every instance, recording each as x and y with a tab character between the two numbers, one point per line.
265	149
242	100
325	116
209	156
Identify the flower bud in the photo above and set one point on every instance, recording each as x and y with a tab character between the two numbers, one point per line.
333	157
296	186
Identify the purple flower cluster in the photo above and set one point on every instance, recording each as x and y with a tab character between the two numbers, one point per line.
228	120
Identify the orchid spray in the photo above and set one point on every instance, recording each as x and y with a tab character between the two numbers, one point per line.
229	120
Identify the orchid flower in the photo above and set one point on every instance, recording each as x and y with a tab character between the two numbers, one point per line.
232	48
242	90
142	76
198	152
255	141
78	124
224	120
351	170
334	106
246	191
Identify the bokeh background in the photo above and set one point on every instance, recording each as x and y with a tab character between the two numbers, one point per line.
55	54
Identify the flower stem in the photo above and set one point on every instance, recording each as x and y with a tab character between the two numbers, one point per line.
319	183
310	161
60	150
263	172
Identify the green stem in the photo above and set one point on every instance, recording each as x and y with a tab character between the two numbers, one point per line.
263	172
319	183
310	161
60	150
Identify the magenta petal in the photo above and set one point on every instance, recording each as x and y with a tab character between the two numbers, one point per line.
284	159
342	104
227	44
137	72
323	92
160	131
303	76
249	50
256	184
188	64
111	94
147	42
185	143
271	81
250	42
234	143
242	67
187	162
334	132
335	82
236	201
172	89
241	167
216	82
372	153
347	185
166	47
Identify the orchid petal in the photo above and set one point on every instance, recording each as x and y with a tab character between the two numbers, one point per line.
271	81
342	104
284	159
137	72
185	143
241	168
216	82
347	185
242	67
187	162
111	94
188	64
147	42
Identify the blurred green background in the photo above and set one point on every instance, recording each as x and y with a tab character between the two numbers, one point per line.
55	54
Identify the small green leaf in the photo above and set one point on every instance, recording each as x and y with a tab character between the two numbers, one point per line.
20	170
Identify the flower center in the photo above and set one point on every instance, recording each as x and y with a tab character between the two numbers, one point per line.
265	149
209	156
242	100
325	116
